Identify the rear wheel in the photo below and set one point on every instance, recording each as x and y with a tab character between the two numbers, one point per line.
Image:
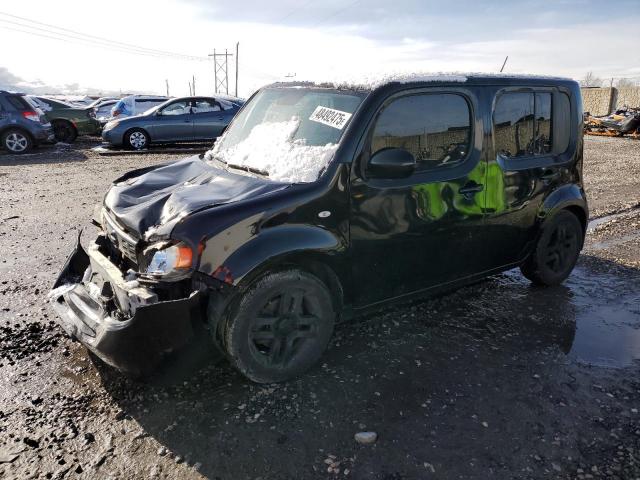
64	131
557	250
281	327
17	141
136	139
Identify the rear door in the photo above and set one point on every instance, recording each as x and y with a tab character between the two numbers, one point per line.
530	136
425	230
173	123
209	118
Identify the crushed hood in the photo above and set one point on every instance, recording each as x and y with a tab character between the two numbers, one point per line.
145	202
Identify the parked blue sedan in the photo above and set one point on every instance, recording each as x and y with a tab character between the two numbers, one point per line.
186	119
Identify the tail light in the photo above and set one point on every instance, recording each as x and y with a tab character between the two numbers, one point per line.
31	115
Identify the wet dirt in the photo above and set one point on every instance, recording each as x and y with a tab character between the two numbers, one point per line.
496	380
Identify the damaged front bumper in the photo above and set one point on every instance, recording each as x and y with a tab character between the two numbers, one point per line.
122	322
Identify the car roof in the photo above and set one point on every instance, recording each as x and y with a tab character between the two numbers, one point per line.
373	82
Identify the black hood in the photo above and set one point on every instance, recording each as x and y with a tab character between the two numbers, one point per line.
163	194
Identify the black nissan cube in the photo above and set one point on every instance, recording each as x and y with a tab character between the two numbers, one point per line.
324	200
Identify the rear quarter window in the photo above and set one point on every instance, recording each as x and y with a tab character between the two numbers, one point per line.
17	103
531	123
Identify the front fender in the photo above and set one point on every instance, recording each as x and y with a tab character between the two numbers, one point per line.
264	247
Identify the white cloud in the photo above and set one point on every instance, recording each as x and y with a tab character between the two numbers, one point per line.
418	36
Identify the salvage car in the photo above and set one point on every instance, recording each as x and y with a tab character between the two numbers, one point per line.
185	119
323	201
23	126
68	121
103	111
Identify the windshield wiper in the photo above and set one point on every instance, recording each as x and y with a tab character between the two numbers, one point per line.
264	173
244	168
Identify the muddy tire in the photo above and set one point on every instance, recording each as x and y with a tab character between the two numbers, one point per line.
16	141
64	131
136	139
280	327
557	250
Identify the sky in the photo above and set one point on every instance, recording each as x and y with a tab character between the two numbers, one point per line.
304	39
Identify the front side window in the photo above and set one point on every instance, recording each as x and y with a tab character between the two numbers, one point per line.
523	124
177	108
434	128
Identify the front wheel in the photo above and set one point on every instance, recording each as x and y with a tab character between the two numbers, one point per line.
136	139
281	326
556	252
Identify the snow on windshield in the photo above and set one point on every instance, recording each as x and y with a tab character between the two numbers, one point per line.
271	147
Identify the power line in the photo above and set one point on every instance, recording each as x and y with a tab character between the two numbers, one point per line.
335	13
74	35
295	10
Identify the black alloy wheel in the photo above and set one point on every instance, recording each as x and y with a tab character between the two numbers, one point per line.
281	327
557	250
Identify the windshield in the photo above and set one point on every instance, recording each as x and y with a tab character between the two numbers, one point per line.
287	134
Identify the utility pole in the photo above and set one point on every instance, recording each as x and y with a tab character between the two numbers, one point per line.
237	56
220	69
189	88
505	62
167	82
194	84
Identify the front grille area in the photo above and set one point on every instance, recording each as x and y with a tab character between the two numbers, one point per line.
120	240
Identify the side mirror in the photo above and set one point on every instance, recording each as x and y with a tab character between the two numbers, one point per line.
391	163
158	112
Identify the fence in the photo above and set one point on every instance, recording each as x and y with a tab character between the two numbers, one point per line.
603	101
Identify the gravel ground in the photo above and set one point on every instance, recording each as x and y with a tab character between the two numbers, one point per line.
496	380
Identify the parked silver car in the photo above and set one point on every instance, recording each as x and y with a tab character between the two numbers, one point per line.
183	119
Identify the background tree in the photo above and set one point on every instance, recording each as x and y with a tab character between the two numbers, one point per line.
590	80
625	82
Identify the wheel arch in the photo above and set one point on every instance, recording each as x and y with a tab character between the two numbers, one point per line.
306	247
568	197
67	121
305	262
16	127
131	129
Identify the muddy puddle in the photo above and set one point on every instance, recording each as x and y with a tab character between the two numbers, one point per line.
607	336
597	315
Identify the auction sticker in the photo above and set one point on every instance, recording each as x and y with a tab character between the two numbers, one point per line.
331	117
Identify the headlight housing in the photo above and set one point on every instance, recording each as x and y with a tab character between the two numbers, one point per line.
170	260
111	125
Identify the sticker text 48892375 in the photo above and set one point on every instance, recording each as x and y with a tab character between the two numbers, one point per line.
329	116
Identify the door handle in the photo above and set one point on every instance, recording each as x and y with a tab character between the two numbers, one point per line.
470	189
187	121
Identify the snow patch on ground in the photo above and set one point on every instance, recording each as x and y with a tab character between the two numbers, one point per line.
271	147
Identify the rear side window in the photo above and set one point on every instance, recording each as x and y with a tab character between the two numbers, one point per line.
523	124
205	105
17	102
434	128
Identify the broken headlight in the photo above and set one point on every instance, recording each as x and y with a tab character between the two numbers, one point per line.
111	125
170	260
